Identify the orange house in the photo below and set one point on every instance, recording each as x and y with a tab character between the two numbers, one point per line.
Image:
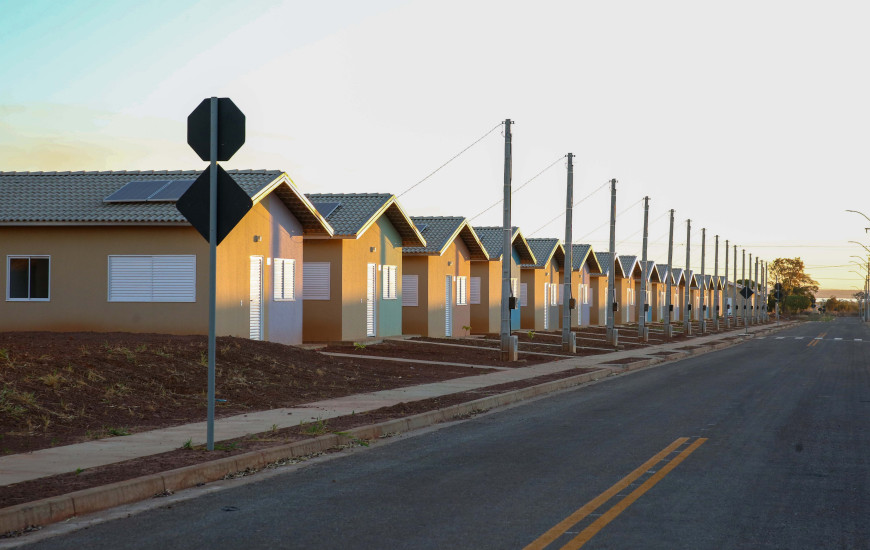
109	251
653	283
435	277
353	280
541	286
585	264
610	267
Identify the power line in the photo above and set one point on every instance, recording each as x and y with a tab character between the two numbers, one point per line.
603	185
493	205
452	158
608	221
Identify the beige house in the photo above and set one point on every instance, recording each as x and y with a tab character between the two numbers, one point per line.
435	277
353	279
610	267
109	251
653	285
486	279
541	286
585	265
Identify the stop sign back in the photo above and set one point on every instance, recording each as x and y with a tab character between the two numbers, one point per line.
230	127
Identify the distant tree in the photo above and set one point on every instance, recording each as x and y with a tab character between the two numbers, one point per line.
797	302
795	282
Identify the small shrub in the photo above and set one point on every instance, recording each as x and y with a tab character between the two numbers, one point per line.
318	427
359	345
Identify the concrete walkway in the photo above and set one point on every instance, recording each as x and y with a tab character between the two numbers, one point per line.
58	460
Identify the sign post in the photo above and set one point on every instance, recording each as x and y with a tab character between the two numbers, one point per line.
215	131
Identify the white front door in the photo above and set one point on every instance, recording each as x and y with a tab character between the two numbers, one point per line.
371	297
256	298
448	306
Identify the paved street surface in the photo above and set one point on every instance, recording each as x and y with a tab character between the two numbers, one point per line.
762	445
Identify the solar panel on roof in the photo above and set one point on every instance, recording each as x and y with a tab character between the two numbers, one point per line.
137	191
326	208
172	191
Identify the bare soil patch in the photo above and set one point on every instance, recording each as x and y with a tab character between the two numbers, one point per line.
430	349
62	388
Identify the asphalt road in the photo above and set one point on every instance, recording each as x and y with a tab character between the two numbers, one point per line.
775	456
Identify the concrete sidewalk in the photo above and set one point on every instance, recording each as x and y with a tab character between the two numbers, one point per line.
58	460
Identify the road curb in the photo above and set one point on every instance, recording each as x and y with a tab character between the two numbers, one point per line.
61	507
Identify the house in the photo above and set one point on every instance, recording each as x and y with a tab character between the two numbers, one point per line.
435	277
629	289
653	283
353	279
678	293
486	279
585	264
665	275
610	266
541	286
109	251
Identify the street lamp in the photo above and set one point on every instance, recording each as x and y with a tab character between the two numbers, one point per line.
866	229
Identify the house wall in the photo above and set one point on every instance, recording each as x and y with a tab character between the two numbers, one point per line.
583	310
321	319
626	310
429	316
529	317
515	274
415	319
598	311
486	316
280	237
78	280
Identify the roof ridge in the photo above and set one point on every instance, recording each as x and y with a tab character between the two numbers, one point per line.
349	194
127	172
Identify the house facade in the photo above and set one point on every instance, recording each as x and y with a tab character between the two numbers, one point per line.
610	267
109	251
486	279
436	277
585	265
541	286
653	286
353	279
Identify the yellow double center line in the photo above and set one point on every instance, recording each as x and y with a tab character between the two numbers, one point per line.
562	527
816	340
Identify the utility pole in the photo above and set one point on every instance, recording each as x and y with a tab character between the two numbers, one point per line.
642	330
702	291
734	303
669	330
757	295
743	278
725	309
612	336
508	342
715	286
753	297
776	301
687	297
569	339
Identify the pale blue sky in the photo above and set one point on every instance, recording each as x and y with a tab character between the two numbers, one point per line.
748	117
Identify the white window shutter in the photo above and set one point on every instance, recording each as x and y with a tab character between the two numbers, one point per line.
284	279
152	278
461	291
315	280
174	278
524	294
475	290
409	290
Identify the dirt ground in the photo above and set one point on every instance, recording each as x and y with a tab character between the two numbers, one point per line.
62	388
429	349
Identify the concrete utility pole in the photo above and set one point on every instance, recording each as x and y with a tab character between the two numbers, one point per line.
753	297
776	302
669	330
508	342
642	330
734	304
715	286
702	291
612	336
687	321
757	295
569	339
726	312
743	278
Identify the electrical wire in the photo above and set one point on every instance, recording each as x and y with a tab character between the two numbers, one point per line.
496	203
603	185
608	221
496	127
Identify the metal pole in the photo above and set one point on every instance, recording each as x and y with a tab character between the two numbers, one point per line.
751	310
641	320
715	286
687	321
734	304
506	257
568	341
757	295
743	278
776	301
611	298
669	278
703	309
212	269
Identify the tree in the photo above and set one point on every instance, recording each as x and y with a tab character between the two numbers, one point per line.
795	282
797	302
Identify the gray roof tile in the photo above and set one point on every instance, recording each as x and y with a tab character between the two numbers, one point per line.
440	231
543	249
493	240
356	211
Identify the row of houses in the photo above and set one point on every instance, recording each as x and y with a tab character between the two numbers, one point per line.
108	251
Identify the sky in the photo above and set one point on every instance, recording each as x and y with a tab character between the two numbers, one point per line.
748	117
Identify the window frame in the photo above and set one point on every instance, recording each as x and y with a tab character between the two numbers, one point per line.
190	300
275	280
390	284
461	290
28	257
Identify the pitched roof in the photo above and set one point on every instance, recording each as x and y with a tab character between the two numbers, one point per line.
606	261
440	232
493	240
678	275
356	212
663	273
581	253
44	198
651	272
631	265
544	250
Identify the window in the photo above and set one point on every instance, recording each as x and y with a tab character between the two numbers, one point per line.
285	280
461	291
584	294
315	280
514	290
152	278
390	291
524	294
475	290
409	290
27	278
554	295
